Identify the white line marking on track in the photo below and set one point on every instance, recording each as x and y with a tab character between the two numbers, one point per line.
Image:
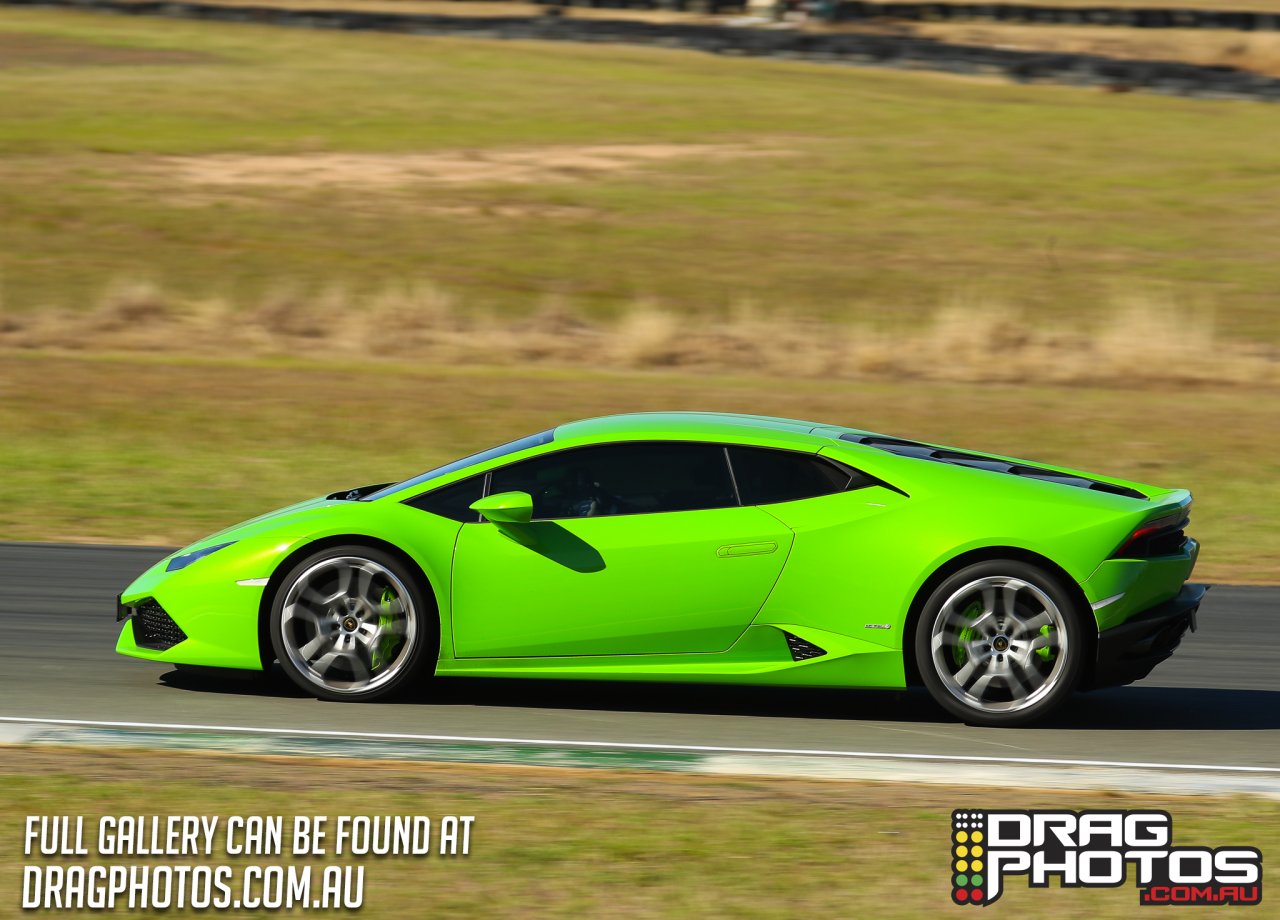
633	745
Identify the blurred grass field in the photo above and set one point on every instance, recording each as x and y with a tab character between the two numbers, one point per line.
242	265
593	843
845	193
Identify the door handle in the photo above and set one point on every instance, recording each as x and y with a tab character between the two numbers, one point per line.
746	549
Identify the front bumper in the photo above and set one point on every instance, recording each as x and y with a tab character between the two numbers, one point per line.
199	615
1130	651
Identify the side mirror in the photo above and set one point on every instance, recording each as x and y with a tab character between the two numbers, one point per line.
506	507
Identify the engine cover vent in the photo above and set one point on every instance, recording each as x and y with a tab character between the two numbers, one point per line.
983	462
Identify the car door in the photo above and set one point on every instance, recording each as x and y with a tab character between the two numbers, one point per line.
635	548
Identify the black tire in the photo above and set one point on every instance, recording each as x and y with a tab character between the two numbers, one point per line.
1043	663
295	617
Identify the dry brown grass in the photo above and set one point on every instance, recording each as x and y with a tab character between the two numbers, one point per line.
1142	340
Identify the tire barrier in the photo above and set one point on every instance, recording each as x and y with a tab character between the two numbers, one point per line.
868	10
1131	17
1116	74
677	6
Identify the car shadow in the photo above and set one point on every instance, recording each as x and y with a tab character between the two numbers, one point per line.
561	546
1134	708
227	681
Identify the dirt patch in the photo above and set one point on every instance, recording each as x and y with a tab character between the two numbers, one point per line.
454	168
512	211
21	49
359	200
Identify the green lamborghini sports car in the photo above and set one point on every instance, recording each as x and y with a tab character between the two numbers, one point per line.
698	547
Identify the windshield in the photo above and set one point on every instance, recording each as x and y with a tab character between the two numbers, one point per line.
511	447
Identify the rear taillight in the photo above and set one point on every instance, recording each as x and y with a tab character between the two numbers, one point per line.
1161	537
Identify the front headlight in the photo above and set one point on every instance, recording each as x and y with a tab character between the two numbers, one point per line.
181	562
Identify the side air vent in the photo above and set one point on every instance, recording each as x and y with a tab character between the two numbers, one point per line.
153	628
980	462
802	650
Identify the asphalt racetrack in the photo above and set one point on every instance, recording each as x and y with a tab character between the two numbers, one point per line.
1216	703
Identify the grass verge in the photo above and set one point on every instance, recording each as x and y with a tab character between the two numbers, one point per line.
556	843
159	450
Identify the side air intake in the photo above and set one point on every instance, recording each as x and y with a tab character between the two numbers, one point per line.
802	650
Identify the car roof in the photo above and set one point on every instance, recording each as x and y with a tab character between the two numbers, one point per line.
719	426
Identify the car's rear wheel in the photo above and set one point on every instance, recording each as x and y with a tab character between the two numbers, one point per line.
351	623
1000	643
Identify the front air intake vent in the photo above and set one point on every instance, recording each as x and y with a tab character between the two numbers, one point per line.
153	628
802	650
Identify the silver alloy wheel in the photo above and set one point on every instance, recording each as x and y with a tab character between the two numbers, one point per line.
348	624
999	644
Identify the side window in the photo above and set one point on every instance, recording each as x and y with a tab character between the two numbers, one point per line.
639	478
765	476
454	500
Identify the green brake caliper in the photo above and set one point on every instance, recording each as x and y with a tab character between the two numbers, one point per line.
385	650
1047	653
959	652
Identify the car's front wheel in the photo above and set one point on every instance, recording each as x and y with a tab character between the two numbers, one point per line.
1000	643
351	623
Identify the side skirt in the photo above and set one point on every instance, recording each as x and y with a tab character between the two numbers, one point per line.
761	656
